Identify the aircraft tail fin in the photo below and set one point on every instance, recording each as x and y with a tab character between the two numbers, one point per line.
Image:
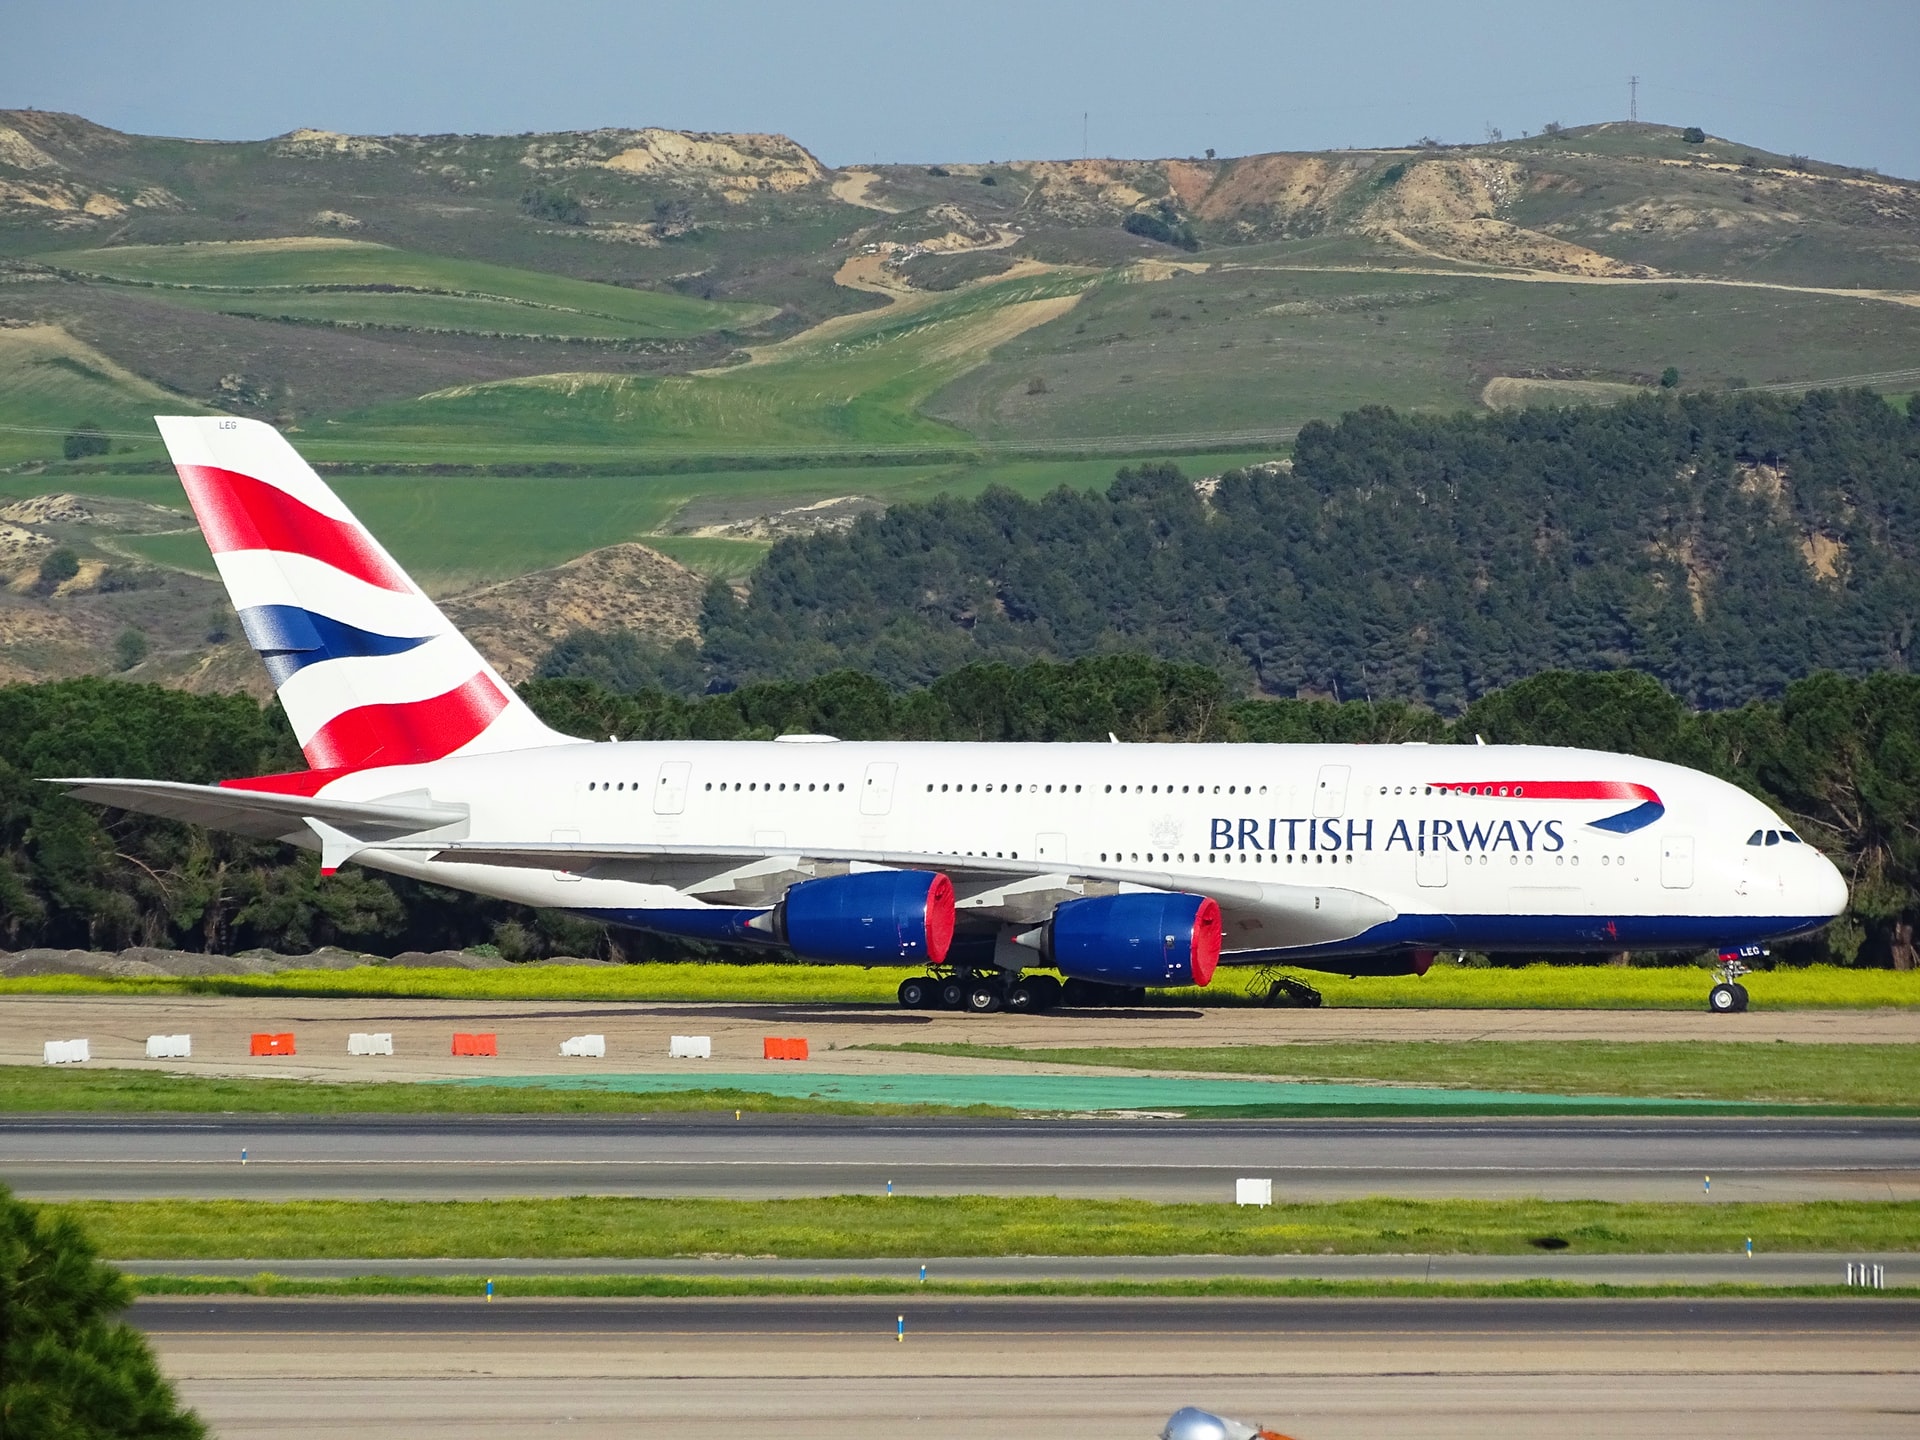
368	670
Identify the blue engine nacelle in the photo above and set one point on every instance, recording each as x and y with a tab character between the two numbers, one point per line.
880	917
1151	939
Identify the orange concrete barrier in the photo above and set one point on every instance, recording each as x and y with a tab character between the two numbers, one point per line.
775	1047
476	1044
271	1045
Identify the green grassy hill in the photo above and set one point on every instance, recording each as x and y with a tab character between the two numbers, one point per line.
695	338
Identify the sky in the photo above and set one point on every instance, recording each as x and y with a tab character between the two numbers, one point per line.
921	81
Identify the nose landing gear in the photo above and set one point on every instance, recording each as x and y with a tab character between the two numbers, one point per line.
1729	996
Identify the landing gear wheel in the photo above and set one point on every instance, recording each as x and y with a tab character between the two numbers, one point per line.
953	995
915	994
1293	994
1021	999
1727	998
984	997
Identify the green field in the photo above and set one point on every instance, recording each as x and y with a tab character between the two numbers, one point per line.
1252	344
26	1088
859	386
455	531
332	280
912	1227
1534	987
50	382
1886	1075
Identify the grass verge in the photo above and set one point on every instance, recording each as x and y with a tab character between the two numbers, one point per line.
1781	1072
910	1227
28	1088
674	1287
1533	987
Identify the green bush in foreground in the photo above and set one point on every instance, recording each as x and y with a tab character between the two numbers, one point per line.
69	1369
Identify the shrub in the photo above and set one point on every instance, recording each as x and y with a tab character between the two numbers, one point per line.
1163	226
68	1367
60	566
555	205
129	649
1693	135
1670	377
83	440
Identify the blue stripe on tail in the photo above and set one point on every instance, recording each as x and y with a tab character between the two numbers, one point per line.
290	638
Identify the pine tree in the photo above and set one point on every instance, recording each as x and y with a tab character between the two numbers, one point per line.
70	1369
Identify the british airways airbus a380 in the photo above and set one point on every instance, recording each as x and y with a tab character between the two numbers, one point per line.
1116	865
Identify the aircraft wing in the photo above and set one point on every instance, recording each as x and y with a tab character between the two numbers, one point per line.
1256	914
269	816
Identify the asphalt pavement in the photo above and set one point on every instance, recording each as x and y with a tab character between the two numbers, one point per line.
475	1157
1083	1316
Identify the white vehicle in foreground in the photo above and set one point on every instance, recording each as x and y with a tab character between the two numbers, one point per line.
1118	866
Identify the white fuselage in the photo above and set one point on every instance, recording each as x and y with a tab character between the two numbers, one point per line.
1444	835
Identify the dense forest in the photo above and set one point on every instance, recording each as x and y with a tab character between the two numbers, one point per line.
1727	544
1840	756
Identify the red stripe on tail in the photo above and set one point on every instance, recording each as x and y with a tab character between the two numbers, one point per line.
238	512
407	734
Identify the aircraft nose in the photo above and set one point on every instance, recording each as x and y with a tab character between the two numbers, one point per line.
1826	888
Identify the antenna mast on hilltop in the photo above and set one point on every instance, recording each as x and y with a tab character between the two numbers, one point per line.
1633	97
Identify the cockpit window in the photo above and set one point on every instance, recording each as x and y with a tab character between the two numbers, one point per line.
1791	838
1773	837
1754	839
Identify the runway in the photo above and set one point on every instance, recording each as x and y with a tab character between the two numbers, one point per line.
1319	1370
479	1156
1730	1268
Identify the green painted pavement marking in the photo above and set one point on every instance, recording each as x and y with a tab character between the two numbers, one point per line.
1087	1092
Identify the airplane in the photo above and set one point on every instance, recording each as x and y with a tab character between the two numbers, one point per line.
981	867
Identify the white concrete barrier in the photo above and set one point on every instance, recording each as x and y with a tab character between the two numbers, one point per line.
362	1043
690	1047
67	1052
169	1047
1253	1192
586	1047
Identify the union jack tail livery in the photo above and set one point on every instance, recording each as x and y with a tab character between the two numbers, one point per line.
368	669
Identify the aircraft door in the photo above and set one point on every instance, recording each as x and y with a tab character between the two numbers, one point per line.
1676	862
1330	794
1430	868
670	790
876	790
1050	847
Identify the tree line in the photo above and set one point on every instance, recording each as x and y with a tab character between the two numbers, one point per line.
1727	544
1839	756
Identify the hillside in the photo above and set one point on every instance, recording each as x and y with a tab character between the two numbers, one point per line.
523	349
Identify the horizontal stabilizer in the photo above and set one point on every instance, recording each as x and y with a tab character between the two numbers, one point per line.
269	816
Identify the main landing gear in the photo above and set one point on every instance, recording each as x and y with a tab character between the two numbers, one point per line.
987	992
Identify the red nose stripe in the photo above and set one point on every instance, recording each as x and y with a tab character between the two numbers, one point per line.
238	512
412	733
1205	951
1552	789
